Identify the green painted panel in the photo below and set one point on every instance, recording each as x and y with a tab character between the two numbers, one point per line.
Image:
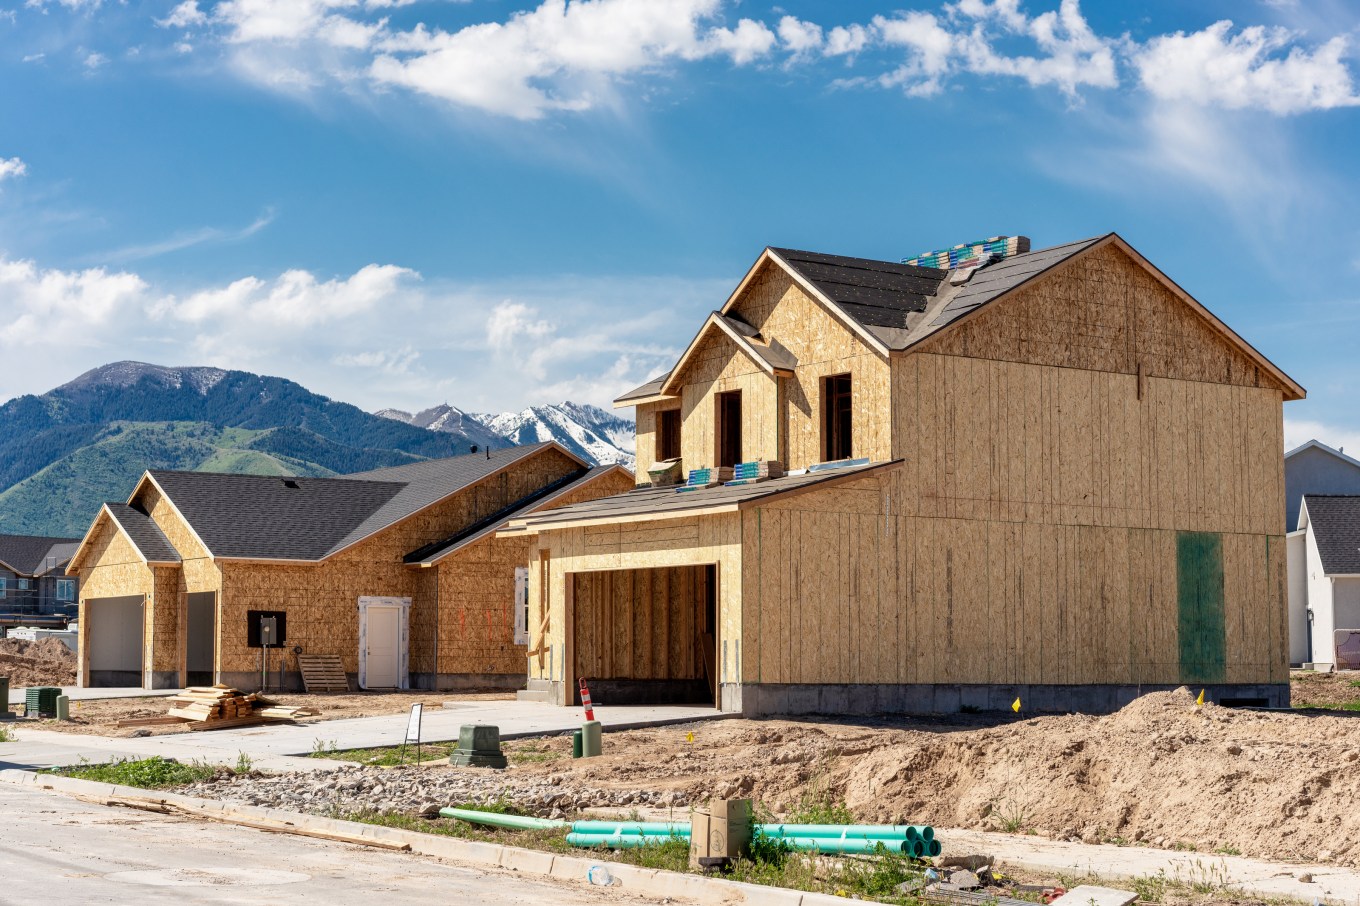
1199	592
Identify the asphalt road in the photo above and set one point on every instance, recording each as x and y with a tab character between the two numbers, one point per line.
56	850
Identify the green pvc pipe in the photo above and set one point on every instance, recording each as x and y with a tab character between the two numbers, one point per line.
615	841
494	819
645	828
859	831
933	848
837	845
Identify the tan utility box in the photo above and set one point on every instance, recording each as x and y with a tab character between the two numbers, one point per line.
720	834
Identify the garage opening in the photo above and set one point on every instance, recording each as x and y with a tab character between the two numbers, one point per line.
200	638
115	640
647	636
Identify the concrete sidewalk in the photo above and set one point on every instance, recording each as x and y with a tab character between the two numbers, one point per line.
82	694
275	747
1115	864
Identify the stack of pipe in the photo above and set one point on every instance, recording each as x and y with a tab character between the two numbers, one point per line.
917	841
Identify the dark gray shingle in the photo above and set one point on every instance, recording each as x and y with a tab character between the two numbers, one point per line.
144	533
1336	527
28	555
873	293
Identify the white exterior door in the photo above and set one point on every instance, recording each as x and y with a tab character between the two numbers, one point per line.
382	642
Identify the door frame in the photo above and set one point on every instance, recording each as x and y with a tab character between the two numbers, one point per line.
403	606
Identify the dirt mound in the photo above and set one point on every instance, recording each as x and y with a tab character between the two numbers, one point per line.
46	662
1162	772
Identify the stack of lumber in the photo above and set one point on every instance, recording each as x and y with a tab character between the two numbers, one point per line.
218	707
706	478
752	472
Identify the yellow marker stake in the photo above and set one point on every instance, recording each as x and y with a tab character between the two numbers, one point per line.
689	737
1200	701
1015	705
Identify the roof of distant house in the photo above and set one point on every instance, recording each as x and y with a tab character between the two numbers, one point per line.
1335	520
34	555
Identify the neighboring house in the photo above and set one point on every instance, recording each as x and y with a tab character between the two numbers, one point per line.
1311	468
1315	468
394	570
33	581
1324	580
1059	479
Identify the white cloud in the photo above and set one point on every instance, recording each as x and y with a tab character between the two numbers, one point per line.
800	38
295	299
1072	54
392	361
186	15
1216	67
12	168
95	60
929	49
512	324
37	304
1298	432
847	40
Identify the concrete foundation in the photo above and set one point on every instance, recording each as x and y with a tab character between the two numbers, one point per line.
468	682
765	699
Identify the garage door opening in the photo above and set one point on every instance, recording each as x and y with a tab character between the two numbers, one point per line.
647	636
114	640
200	638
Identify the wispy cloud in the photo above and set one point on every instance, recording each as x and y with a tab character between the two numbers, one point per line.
182	241
12	168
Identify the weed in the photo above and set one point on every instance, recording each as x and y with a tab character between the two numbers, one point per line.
1354	682
148	773
1151	889
532	754
323	749
243	763
7	734
815	806
1228	851
384	756
1012	815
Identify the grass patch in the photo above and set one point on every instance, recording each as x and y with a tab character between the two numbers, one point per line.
386	756
531	753
815	806
152	773
7	734
1353	705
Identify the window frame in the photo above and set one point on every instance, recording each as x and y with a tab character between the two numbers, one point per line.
69	585
838	439
663	434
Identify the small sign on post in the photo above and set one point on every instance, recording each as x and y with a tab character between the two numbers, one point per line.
412	732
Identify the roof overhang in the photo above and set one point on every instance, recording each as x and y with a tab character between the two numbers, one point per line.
522	527
719	322
102	518
1316	444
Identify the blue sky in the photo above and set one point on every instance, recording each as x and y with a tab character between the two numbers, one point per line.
495	204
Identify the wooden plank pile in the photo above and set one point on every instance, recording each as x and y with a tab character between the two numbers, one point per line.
218	707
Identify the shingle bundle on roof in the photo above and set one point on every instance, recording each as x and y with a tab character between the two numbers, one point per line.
972	254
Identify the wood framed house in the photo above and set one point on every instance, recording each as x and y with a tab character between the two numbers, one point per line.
1048	474
396	570
34	587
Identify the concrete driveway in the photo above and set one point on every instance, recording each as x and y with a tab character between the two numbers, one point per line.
59	850
276	747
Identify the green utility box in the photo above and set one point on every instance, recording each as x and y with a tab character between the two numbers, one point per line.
41	701
479	746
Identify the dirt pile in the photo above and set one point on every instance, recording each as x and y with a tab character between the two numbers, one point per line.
1161	772
47	662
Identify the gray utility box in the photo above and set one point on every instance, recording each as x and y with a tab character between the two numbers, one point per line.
479	746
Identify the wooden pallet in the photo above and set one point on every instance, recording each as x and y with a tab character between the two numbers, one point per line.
323	673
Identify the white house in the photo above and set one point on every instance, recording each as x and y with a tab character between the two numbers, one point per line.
1315	468
1324	581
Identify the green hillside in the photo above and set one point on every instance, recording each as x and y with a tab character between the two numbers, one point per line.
63	498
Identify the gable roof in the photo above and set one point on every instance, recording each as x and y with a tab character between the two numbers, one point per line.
1319	445
768	355
144	533
649	503
649	392
1335	522
539	500
29	555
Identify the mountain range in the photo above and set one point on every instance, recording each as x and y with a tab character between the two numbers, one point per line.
66	451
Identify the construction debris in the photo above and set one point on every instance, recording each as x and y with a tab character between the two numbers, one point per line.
218	707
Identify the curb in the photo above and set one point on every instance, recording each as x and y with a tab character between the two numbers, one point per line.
631	878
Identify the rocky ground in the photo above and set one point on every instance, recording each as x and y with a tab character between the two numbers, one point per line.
47	662
1162	772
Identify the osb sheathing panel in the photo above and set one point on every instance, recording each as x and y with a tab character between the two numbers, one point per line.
641	624
476	630
781	311
642	545
200	573
1025	443
905	599
113	568
646	418
608	484
163	642
1103	312
321	600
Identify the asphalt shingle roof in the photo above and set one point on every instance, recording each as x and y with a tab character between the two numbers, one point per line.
273	518
144	533
874	293
28	555
1335	521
